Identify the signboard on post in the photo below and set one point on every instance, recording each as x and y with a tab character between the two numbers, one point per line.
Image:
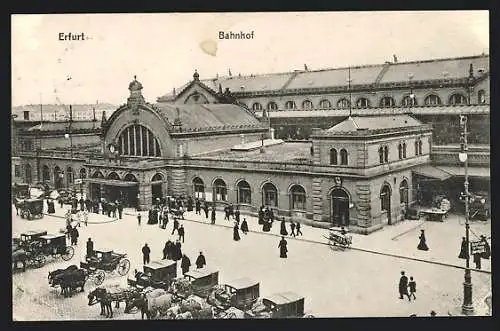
477	247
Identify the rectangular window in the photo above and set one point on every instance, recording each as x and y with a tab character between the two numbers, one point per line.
26	115
17	170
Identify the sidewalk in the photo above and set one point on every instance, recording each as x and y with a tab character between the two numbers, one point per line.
92	218
399	240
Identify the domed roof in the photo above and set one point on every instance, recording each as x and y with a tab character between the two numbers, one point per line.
135	85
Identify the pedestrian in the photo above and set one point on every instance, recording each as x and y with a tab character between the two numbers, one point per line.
176	226
477	260
190	204
271	215
412	285
165	219
185	263
180	231
177	251
231	210
200	261
50	207
212	216
292	228
464	250
145	253
205	209
226	213
487	249
261	215
403	286
236	232
166	250
68	229
119	206
60	200
237	214
113	209
422	245
283	231
197	207
74	236
139	217
90	248
297	228
244	226
82	203
85	217
283	248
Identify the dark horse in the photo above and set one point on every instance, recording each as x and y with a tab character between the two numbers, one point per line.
140	301
69	279
105	298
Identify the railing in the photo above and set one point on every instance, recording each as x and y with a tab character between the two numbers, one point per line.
478	155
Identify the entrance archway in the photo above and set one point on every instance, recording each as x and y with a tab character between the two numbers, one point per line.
385	202
113	193
27	169
129	194
339	207
57	178
157	187
95	189
269	195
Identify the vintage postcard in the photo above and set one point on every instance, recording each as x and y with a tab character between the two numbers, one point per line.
250	165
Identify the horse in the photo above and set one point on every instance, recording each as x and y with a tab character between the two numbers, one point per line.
69	279
106	298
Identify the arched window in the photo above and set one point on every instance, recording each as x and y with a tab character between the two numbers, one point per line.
420	147
306	104
385	198
97	174
333	156
220	190
244	193
325	104
343	103
272	106
404	150
114	176
257	106
416	147
408	101
362	103
137	140
343	157
432	99
387	102
386	154
69	176
403	192
290	105
381	154
269	195
157	178
298	197
457	99
481	97
27	173
198	188
130	178
83	173
46	173
400	151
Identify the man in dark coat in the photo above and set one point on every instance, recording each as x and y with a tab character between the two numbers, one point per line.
74	236
197	207
271	215
244	226
403	286
113	209
165	219
464	251
119	206
237	214
180	231
212	216
185	264
176	226
283	230
60	200
145	253
190	204
82	204
236	232
477	260
200	261
487	249
412	285
261	215
226	213
283	248
177	251
69	228
205	209
422	245
298	229
292	228
165	250
90	248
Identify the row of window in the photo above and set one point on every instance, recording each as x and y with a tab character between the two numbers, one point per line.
59	176
383	151
334	157
409	100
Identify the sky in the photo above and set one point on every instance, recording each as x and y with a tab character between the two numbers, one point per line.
163	50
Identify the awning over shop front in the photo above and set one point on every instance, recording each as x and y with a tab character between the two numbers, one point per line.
431	172
480	172
110	182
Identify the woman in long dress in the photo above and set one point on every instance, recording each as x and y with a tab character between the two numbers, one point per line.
422	245
283	248
244	226
236	233
464	252
283	230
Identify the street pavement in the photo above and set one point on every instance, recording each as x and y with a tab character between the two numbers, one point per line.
335	283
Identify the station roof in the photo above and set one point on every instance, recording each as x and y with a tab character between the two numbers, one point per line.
356	123
284	297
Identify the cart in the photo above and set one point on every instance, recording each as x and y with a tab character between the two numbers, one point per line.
279	305
202	281
338	237
157	274
50	245
240	293
30	208
105	261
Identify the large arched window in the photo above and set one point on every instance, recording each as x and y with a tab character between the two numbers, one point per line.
27	173
69	176
306	104
386	154
362	103
269	195
297	197
381	154
385	198
403	192
325	104
432	100
83	173
343	103
481	97
272	106
409	101
198	188
137	140
333	156
290	105
46	173
130	178
400	151
256	106
157	177
457	99
343	157
387	102
244	192
220	190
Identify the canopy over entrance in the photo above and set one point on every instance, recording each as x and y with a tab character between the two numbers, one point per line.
110	182
431	172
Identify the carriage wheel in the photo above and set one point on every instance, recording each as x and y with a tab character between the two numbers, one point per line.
39	261
99	277
123	267
68	254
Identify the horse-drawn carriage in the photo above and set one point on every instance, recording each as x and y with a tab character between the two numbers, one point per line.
20	191
105	261
29	208
202	281
68	279
240	293
338	237
157	274
279	305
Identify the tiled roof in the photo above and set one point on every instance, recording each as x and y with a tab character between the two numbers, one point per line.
211	117
64	126
267	82
374	123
